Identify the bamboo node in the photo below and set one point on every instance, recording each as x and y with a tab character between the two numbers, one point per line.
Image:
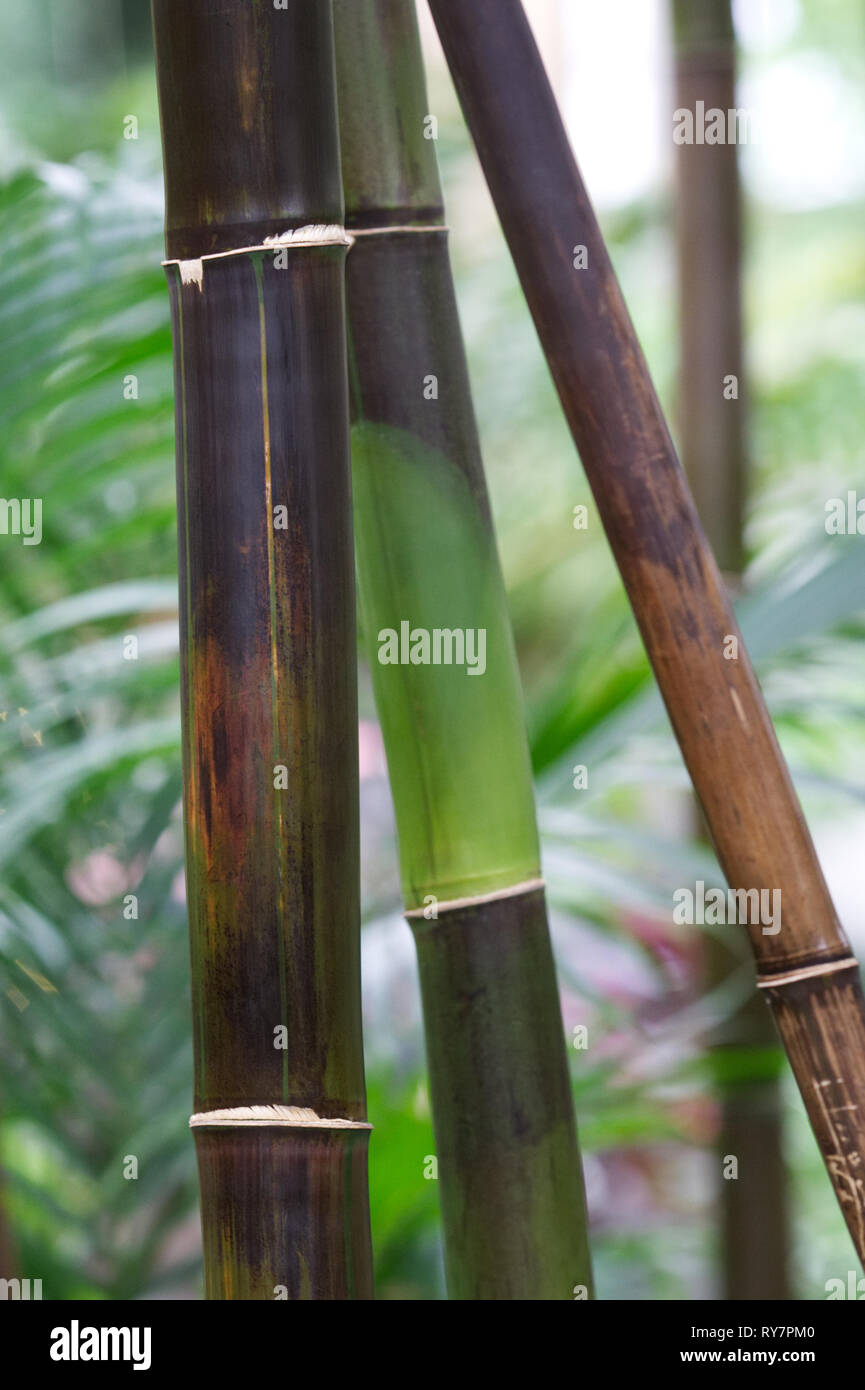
287	1116
531	885
807	972
315	234
398	229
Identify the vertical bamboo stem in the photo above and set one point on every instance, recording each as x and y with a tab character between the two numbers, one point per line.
268	649
708	209
712	402
509	1167
807	970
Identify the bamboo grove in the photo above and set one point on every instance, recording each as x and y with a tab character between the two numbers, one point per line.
311	296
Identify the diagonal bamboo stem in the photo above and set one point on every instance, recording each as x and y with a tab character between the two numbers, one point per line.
268	647
806	969
509	1166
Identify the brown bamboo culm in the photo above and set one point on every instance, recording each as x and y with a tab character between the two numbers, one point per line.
712	425
268	644
806	970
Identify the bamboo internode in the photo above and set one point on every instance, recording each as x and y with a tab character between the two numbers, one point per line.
256	248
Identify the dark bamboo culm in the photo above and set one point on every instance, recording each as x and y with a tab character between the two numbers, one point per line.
711	415
508	1164
268	646
806	970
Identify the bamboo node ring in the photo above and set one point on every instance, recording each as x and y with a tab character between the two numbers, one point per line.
531	885
315	234
400	228
286	1116
807	972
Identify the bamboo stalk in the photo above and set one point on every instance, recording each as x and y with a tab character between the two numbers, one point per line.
509	1167
806	969
752	1207
268	650
709	238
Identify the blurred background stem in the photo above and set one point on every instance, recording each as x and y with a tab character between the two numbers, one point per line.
712	422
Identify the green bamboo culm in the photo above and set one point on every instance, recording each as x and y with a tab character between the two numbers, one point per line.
268	645
436	624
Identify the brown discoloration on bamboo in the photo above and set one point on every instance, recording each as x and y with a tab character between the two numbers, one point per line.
502	1108
669	572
